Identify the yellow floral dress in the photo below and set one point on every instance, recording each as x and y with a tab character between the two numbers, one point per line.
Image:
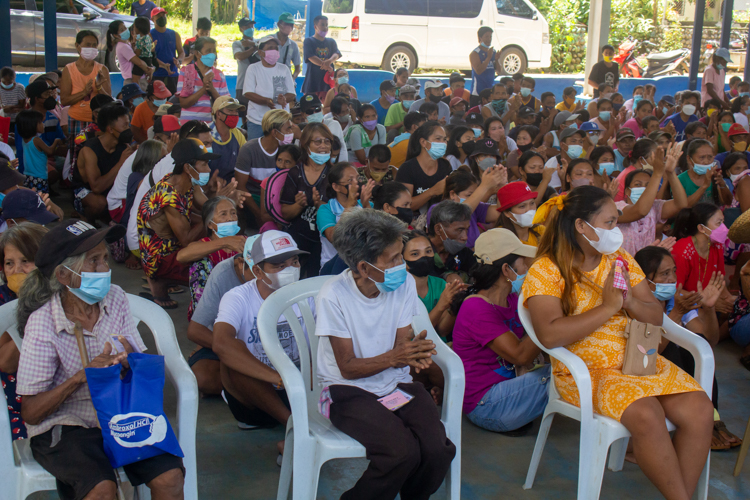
604	350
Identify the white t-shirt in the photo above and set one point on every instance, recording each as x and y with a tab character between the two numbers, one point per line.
266	82
164	167
371	324
239	308
7	151
555	181
118	193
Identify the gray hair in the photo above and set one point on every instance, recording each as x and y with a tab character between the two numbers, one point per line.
147	156
446	213
363	235
209	211
37	289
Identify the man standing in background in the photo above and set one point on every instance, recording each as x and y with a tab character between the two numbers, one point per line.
320	55
288	48
202	28
245	53
168	44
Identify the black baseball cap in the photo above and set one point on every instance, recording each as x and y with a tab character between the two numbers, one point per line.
486	147
26	204
475	118
72	237
387	85
308	102
245	21
10	177
188	150
525	111
38	87
100	100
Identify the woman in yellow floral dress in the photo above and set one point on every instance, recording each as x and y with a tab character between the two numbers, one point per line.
580	247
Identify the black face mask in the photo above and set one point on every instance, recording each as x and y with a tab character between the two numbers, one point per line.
404	214
533	179
435	98
469	147
126	137
525	147
50	103
161	22
423	266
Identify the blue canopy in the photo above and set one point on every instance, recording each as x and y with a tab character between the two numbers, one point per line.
267	12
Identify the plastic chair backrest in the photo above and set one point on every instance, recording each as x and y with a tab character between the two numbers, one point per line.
300	382
274	187
525	317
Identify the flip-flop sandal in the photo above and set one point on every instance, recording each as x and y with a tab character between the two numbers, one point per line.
745	360
173	290
720	427
153	299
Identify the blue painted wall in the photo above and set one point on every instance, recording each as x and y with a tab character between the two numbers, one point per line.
367	82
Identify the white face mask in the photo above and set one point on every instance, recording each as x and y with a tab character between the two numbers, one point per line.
610	240
688	109
525	219
286	276
733	178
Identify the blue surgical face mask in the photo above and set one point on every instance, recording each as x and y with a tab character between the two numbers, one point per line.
719	67
525	92
208	59
664	110
125	35
636	100
320	158
604	115
94	286
517	283
393	278
159	102
702	169
606	168
315	117
137	101
407	104
437	150
249	32
343	80
575	151
7	86
484	45
203	178
744	94
635	193
664	291
477	132
224	229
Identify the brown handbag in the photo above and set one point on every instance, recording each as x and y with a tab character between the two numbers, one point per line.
642	348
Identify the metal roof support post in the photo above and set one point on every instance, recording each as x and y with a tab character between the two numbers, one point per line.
5	50
726	23
598	36
695	49
50	35
201	8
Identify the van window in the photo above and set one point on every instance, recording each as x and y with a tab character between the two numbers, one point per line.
452	8
338	6
63	6
517	8
397	7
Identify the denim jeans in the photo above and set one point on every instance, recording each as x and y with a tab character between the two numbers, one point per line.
513	403
740	332
254	130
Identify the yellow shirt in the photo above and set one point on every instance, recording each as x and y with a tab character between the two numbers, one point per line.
398	153
561	106
533	240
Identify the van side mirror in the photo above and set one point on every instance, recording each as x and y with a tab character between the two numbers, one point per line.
535	16
88	14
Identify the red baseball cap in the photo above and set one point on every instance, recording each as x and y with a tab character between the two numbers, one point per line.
456	100
170	123
157	10
512	194
737	129
160	90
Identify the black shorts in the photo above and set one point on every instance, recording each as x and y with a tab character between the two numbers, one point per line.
201	354
253	416
79	463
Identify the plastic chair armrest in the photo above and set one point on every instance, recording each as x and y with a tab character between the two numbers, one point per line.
698	347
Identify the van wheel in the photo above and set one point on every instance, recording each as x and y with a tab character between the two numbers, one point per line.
512	61
399	56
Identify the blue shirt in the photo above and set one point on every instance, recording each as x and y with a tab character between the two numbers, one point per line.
166	50
679	124
484	80
380	110
142	10
52	131
723	156
619	159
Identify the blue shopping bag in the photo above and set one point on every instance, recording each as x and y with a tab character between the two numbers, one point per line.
131	410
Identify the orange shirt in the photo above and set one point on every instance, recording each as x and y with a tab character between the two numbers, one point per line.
143	117
466	94
81	110
398	153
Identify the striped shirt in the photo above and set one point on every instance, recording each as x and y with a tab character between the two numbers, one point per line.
12	97
189	83
50	356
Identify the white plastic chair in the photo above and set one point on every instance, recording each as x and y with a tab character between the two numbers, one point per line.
597	431
312	440
21	475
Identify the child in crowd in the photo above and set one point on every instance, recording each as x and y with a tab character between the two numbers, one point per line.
30	124
12	95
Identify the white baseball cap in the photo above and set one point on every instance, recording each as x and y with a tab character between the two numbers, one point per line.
274	247
434	84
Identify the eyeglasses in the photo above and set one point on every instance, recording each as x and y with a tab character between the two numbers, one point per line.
312	111
320	142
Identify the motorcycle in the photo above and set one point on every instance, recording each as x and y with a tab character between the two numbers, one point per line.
673	62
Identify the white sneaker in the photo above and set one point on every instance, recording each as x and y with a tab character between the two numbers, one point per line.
279	459
245	427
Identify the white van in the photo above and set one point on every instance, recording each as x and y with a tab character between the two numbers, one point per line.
437	33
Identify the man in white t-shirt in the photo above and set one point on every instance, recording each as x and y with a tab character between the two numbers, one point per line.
193	129
572	143
268	85
365	353
253	389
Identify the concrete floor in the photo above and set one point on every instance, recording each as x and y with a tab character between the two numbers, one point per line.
235	464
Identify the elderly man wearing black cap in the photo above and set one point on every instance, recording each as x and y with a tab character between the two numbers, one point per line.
72	285
268	85
163	219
